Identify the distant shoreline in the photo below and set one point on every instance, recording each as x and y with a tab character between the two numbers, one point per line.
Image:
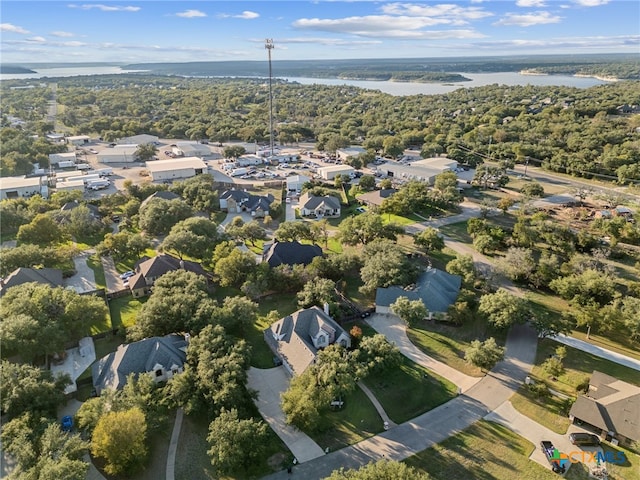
534	72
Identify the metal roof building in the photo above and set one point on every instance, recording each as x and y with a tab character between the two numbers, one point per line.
176	168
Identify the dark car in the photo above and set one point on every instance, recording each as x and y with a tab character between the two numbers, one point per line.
67	423
584	439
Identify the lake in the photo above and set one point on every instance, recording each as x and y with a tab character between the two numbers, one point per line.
392	88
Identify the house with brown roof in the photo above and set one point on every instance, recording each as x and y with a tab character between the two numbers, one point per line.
148	270
376	197
611	407
297	338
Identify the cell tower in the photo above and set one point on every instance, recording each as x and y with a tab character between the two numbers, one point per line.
268	44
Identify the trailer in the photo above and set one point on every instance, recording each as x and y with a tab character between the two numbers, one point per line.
85	178
66	164
83	166
98	184
238	172
103	172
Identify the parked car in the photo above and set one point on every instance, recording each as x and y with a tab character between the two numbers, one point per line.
128	274
67	423
553	456
580	438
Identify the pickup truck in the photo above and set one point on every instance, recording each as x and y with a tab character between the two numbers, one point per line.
553	456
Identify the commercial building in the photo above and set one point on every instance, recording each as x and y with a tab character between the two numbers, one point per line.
143	139
422	170
176	168
344	153
16	187
56	158
79	140
187	149
118	154
329	173
70	185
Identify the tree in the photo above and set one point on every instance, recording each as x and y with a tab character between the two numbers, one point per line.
590	286
233	151
303	403
364	228
463	265
551	325
429	240
198	192
195	237
120	439
504	309
146	152
631	316
445	189
367	183
384	265
317	292
38	319
410	311
553	366
532	189
293	231
25	388
484	354
380	470
42	230
235	443
159	215
518	264
375	354
505	203
233	269
490	176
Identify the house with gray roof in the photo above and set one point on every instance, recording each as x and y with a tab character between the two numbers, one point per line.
148	270
297	338
319	207
376	197
236	201
437	290
611	407
160	357
45	276
290	253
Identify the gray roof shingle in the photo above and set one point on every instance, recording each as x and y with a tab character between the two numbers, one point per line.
291	253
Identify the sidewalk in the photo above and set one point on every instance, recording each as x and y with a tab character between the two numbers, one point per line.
597	351
378	406
395	332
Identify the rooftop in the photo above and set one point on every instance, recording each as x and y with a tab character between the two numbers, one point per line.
176	164
18	182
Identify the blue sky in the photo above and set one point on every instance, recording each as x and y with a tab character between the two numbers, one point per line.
180	31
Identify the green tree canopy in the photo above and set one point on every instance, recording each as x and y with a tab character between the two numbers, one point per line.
364	228
380	470
410	311
504	309
484	354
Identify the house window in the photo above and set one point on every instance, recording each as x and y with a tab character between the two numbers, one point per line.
159	373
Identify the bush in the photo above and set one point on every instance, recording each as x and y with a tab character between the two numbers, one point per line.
583	386
539	390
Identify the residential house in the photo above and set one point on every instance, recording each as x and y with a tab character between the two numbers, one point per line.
319	207
93	210
236	201
148	270
376	197
163	195
290	253
45	276
297	338
437	290
160	357
611	407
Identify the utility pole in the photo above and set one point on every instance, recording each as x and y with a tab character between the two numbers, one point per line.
269	46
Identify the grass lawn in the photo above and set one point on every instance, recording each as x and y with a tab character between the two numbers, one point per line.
95	264
547	412
355	422
192	460
443	347
485	451
440	259
617	341
409	390
334	245
401	220
456	231
102	325
579	366
124	310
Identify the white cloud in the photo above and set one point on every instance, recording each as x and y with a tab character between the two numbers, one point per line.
591	3
280	42
246	15
60	33
531	3
8	27
191	14
528	20
105	8
454	13
36	39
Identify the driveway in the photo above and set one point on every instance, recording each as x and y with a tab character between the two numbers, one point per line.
270	384
111	275
396	332
508	416
85	279
438	424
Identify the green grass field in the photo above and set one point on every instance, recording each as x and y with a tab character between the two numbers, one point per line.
94	263
409	390
124	310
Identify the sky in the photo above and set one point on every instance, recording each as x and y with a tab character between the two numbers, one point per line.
181	31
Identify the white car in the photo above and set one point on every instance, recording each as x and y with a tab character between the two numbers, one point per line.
128	274
92	150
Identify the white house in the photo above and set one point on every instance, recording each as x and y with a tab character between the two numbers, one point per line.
330	172
176	168
16	187
118	154
55	158
295	183
319	207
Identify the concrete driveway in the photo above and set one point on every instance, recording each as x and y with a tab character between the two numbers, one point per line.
111	275
396	332
269	384
85	279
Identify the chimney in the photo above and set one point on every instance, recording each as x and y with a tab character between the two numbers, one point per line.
326	308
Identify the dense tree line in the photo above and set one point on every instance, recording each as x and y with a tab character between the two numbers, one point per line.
578	131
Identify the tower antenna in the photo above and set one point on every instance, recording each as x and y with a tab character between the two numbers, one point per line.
268	44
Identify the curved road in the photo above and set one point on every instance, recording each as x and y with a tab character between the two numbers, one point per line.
438	424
